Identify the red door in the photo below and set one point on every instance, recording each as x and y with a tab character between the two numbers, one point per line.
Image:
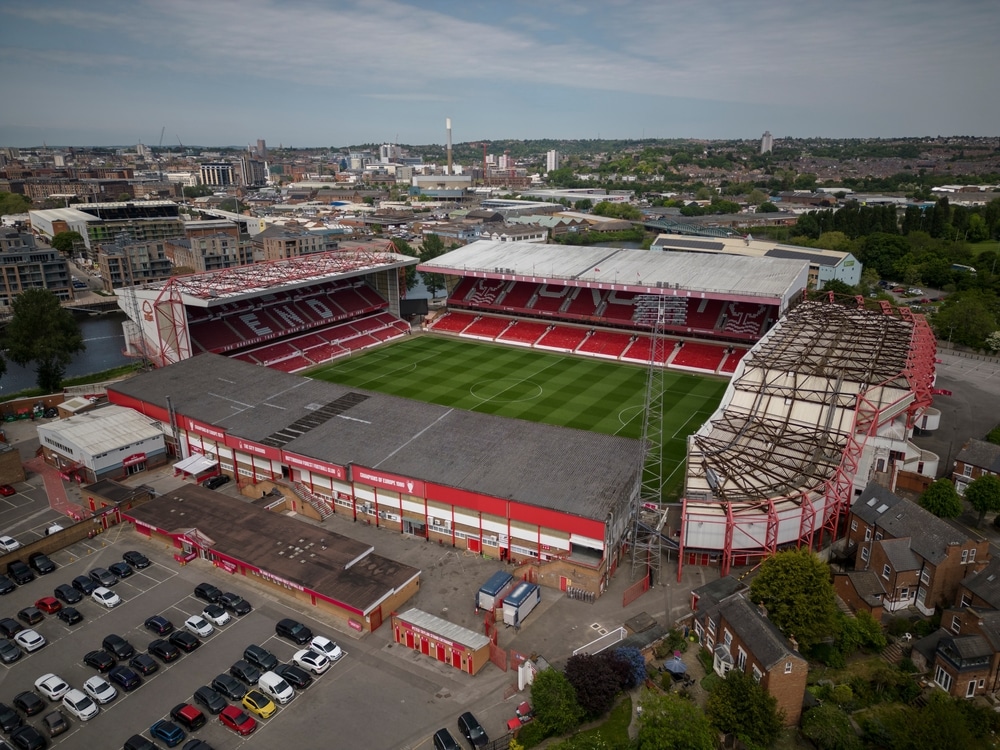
456	659
425	646
409	639
440	653
563	583
475	545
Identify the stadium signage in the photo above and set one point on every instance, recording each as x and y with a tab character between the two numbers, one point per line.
258	450
389	481
204	429
331	470
135	458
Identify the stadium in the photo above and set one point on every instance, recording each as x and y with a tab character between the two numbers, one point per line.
821	396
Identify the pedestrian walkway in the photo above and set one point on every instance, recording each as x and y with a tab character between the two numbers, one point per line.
55	489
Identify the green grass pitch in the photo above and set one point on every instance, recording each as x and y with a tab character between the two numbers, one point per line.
587	394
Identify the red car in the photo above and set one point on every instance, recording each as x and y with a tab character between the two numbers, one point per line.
49	604
6	490
238	720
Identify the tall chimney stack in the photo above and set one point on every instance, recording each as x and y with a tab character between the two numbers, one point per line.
447	124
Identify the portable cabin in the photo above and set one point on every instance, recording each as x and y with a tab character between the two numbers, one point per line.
520	602
492	592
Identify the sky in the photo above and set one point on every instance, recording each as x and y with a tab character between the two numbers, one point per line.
335	73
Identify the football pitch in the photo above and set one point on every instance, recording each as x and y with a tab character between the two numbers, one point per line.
586	394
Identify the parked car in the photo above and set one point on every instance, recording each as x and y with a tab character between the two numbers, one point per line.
159	625
10	627
297	677
235	604
9	543
213	483
167	732
30	640
119	647
216	614
100	689
20	572
184	641
260	657
245	672
144	664
69	615
30	615
311	661
188	716
55	723
210	699
136	559
229	686
237	719
125	678
444	741
470	728
48	604
6	491
28	738
293	631
9	653
103	577
41	563
80	705
259	704
198	626
276	687
84	585
207	592
138	742
106	597
29	703
120	570
6	585
325	646
52	686
100	660
164	650
67	594
9	718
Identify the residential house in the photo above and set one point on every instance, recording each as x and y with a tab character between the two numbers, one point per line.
976	458
964	666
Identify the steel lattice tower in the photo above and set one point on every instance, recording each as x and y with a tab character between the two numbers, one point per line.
650	513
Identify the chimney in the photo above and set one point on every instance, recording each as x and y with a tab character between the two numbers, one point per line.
447	124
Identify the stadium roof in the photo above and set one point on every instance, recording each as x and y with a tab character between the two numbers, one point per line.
573	471
726	276
750	247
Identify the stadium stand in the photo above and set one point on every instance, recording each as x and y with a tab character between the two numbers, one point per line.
550	297
605	344
584	303
696	356
704	314
517	296
620	306
523	332
744	319
486	327
562	338
732	360
452	322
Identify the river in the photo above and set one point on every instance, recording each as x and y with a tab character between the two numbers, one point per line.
104	339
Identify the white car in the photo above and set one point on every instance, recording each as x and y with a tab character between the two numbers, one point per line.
100	689
325	646
30	640
9	544
105	596
216	614
80	705
199	626
52	686
276	687
311	661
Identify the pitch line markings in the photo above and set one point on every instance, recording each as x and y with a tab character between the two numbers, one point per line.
486	384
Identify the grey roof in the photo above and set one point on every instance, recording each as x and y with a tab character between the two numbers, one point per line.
982	454
986	583
899	554
927	646
873	502
715	591
966	646
723	275
669	240
766	642
789	252
867	585
583	473
989	624
451	631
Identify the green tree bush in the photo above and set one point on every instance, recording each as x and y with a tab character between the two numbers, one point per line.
829	728
554	700
983	494
941	499
43	333
796	590
740	707
668	721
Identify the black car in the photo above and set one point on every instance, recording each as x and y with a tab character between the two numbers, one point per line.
144	664
213	483
188	716
209	699
20	572
118	646
159	625
84	585
208	592
29	703
260	657
120	569
6	585
136	559
9	653
294	675
124	678
165	651
138	742
444	741
30	615
245	671
235	604
472	730
196	744
28	738
100	660
103	577
69	615
229	686
184	641
10	627
9	718
293	631
41	563
67	594
55	723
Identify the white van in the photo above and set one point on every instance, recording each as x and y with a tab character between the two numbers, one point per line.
275	686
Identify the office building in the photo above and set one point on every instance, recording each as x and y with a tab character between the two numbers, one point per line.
551	160
217	174
766	142
25	266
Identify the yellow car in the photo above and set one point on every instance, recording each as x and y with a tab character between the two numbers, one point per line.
257	703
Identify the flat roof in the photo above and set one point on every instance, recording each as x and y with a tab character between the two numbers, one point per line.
323	561
451	631
751	248
583	473
711	274
103	430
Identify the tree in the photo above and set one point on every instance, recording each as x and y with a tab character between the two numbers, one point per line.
838	287
64	242
941	499
595	681
993	436
830	728
767	208
12	203
740	707
584	204
983	494
43	333
197	191
124	197
967	318
795	589
636	662
669	721
403	248
234	205
431	247
554	702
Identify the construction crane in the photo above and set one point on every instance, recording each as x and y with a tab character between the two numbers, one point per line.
159	159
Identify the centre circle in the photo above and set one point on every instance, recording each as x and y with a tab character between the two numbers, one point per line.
506	390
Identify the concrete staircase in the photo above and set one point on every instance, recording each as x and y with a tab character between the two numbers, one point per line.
316	503
893	653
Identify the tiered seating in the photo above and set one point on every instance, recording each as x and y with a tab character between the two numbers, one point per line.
517	296
523	332
325	352
605	344
550	297
695	356
732	360
292	365
647	309
462	290
352	302
585	303
562	338
485	292
704	313
485	327
308	341
275	352
745	319
621	306
640	350
359	342
452	322
214	336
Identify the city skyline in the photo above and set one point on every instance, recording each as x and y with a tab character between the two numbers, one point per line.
305	74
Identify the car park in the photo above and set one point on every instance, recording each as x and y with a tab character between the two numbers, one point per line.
188	716
164	650
229	686
55	723
325	646
259	704
235	604
19	572
238	720
9	543
49	605
29	703
67	594
84	585
41	564
167	732
184	641
144	664
69	615
100	689
80	705
216	614
245	672
52	686
30	640
6	585
207	592
28	738
10	627
118	646
276	687
296	676
210	699
103	577
100	660
260	657
138	742
159	625
125	678
311	661
9	718
30	615
106	597
9	653
198	626
470	728
294	631
120	570
136	559
444	741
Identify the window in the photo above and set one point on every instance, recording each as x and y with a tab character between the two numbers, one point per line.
885	572
982	683
925	576
971	689
864	554
966	600
966	470
972	555
956	624
868	535
942	678
741	658
965	556
727	638
854	524
788	667
878	535
904	593
757	674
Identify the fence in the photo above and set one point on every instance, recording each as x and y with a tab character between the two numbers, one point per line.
636	590
581	594
607	640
